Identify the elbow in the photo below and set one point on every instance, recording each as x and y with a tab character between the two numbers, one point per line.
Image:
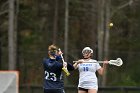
70	67
101	72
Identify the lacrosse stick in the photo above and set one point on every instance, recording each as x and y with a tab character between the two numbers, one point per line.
117	62
64	67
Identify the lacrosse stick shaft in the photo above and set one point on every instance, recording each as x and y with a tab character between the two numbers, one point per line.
117	62
64	68
90	61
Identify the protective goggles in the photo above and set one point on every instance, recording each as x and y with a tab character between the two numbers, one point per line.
86	51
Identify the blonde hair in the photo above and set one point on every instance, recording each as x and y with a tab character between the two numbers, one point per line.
52	47
52	50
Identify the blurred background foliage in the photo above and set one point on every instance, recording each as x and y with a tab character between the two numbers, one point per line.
41	23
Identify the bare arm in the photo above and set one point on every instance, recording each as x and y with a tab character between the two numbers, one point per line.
102	69
75	65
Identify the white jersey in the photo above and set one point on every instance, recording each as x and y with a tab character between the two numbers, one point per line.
87	75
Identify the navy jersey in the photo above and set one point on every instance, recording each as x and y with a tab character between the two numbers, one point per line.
53	73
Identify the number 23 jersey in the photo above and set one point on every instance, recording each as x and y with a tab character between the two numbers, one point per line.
53	75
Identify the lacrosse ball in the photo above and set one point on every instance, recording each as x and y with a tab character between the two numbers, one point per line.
111	24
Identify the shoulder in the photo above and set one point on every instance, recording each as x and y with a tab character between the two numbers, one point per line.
80	59
93	60
45	59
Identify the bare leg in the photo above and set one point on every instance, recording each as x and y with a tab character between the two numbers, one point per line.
81	91
92	91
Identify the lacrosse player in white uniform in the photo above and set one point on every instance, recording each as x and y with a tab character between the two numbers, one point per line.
87	66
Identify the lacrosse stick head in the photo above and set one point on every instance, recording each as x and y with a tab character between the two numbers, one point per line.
120	62
117	62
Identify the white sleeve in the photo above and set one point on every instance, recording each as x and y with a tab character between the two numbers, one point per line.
98	66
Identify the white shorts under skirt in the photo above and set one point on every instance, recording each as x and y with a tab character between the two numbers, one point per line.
88	85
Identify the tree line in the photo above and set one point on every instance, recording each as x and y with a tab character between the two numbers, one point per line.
39	23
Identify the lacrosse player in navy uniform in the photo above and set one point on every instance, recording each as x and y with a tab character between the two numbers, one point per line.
53	82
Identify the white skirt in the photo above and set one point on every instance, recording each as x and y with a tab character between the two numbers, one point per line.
88	85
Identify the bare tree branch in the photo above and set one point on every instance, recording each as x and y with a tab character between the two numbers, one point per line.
3	12
121	6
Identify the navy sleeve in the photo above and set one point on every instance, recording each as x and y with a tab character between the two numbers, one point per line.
58	58
70	67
